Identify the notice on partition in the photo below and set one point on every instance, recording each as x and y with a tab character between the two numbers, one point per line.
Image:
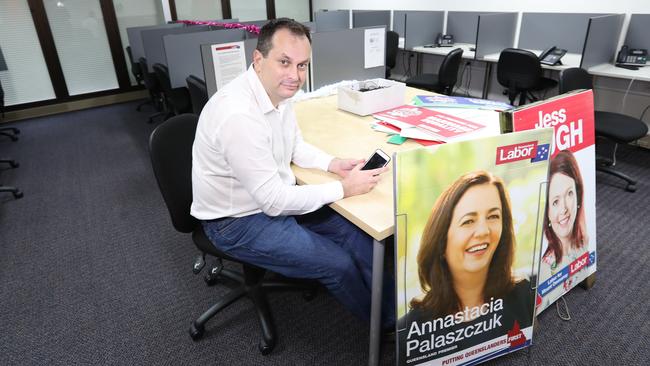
229	60
374	46
466	234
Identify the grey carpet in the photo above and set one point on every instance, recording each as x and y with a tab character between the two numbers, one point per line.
92	272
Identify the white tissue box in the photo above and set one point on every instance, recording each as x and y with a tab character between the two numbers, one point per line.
371	96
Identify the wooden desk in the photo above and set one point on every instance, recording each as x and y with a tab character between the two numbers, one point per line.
347	135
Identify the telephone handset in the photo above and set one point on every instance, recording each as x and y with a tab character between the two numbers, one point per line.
551	56
445	40
635	57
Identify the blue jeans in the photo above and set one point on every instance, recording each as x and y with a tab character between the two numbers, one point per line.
321	245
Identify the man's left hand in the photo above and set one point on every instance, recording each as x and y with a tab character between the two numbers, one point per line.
342	167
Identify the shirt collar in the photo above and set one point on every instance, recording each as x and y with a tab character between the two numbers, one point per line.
260	94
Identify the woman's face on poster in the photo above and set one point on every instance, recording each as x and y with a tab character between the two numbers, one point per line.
563	205
475	230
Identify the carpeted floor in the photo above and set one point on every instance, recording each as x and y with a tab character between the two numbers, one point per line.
92	272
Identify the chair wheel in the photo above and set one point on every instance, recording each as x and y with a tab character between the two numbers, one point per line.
14	164
196	332
14	138
631	188
212	277
265	348
18	194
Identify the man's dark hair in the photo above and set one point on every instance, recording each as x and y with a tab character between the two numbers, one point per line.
264	41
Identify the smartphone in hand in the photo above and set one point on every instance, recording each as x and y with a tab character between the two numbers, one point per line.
378	159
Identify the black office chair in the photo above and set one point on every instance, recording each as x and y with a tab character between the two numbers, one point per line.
136	71
176	99
198	93
170	146
154	88
445	80
616	127
392	42
521	73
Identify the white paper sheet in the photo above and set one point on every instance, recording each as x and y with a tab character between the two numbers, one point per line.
374	46
229	60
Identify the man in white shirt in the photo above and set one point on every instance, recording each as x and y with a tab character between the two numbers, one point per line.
246	194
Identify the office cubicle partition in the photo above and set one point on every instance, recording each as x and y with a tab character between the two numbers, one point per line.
370	18
418	28
134	35
208	64
331	20
495	32
339	55
153	43
540	31
183	52
463	25
638	32
600	42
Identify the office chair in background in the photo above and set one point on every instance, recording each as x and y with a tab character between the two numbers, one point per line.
521	73
12	133
392	42
154	88
170	146
177	100
444	81
136	71
198	93
616	127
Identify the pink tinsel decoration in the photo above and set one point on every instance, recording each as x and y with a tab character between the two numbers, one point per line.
248	28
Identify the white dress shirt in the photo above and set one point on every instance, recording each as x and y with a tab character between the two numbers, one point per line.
242	154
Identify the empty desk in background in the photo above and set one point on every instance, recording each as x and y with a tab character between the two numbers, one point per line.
609	70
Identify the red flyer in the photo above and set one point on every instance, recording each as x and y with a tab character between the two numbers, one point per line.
441	126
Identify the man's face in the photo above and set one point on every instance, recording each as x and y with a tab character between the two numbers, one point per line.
283	71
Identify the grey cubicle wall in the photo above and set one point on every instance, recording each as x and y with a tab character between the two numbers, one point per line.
331	20
601	40
183	52
463	25
339	55
153	42
540	31
418	27
208	66
369	18
495	32
134	35
638	32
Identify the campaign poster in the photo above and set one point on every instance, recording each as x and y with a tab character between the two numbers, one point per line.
468	221
569	235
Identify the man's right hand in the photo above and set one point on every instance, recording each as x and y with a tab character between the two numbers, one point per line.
361	181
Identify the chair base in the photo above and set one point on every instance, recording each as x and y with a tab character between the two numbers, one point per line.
604	167
252	285
15	191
